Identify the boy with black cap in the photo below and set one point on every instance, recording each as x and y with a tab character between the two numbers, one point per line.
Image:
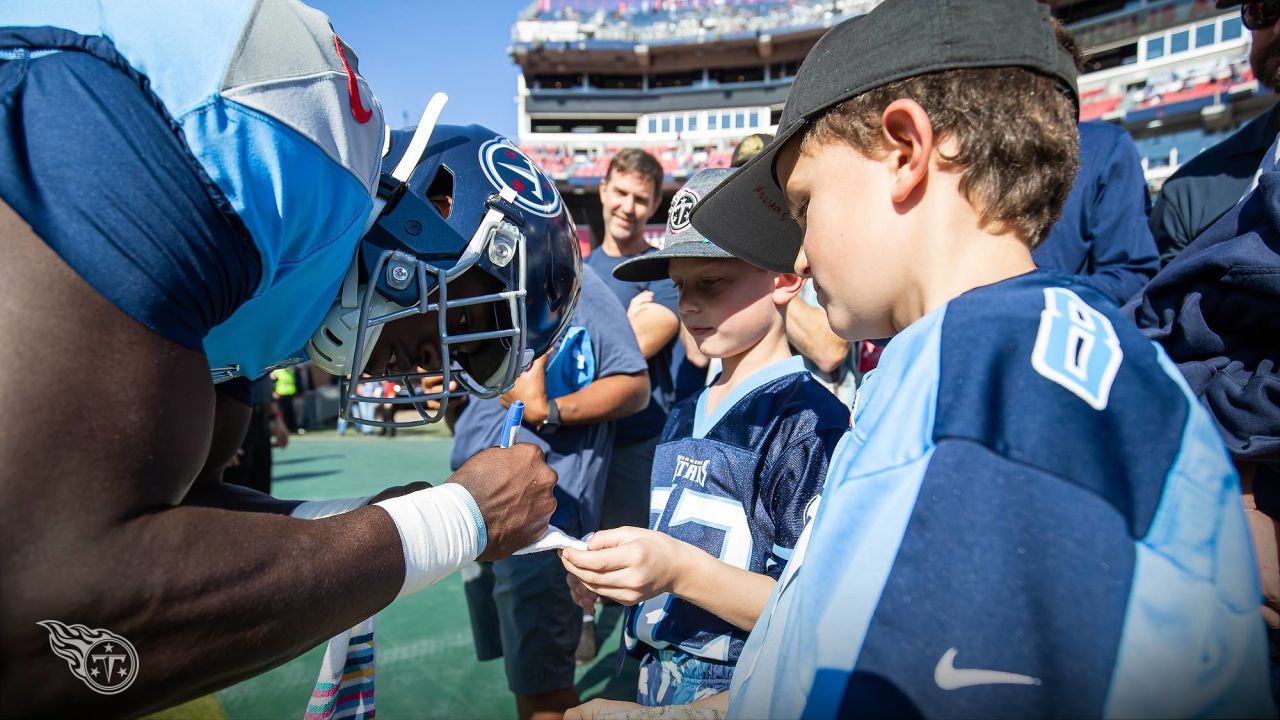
1032	515
735	477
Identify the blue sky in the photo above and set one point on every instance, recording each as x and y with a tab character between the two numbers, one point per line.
410	49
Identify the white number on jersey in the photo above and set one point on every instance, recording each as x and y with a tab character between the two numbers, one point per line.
1076	347
709	511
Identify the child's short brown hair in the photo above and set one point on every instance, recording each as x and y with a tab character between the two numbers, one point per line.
1017	146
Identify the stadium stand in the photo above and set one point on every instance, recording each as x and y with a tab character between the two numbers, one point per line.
687	79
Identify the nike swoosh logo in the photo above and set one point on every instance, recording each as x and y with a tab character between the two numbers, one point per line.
949	677
361	113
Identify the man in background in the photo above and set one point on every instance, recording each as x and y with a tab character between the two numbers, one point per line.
1204	189
630	194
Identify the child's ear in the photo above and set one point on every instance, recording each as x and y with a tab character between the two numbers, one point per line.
785	287
908	133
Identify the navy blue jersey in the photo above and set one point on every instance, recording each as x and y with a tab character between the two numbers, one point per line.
1032	517
738	484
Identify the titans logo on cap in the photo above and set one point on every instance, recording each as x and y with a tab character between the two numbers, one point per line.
507	167
681	211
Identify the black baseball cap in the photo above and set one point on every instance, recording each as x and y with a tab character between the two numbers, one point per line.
899	39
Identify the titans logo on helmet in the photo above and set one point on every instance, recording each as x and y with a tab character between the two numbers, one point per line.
681	211
507	167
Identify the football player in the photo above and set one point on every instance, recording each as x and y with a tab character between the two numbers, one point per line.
183	200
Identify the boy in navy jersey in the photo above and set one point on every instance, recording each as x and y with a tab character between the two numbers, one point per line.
735	477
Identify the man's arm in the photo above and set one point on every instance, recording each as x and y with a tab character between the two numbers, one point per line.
230	422
653	324
810	333
90	514
94	532
231	418
608	398
1168	221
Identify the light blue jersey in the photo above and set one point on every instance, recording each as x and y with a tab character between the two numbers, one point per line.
1032	517
271	105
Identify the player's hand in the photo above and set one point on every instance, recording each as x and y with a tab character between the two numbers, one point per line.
398	491
629	564
584	598
638	303
531	388
600	708
512	487
432	385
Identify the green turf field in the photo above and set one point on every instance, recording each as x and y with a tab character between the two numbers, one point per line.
426	661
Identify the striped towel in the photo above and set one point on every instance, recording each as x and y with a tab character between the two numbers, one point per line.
344	689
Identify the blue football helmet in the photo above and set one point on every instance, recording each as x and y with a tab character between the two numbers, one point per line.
502	218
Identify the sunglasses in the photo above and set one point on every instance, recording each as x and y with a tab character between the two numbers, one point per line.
1259	14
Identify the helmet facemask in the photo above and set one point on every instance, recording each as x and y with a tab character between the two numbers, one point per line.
499	354
424	254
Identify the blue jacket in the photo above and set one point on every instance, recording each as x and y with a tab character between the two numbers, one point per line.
1103	234
1216	311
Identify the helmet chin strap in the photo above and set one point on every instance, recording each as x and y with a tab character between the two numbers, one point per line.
350	295
421	136
412	155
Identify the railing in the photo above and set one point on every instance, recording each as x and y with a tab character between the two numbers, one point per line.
1130	23
1169	88
590	164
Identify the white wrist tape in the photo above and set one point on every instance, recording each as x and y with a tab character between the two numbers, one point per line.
316	509
441	529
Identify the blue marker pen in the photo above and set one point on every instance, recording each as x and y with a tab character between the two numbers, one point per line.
511	424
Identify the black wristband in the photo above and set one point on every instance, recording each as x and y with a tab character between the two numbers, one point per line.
552	423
